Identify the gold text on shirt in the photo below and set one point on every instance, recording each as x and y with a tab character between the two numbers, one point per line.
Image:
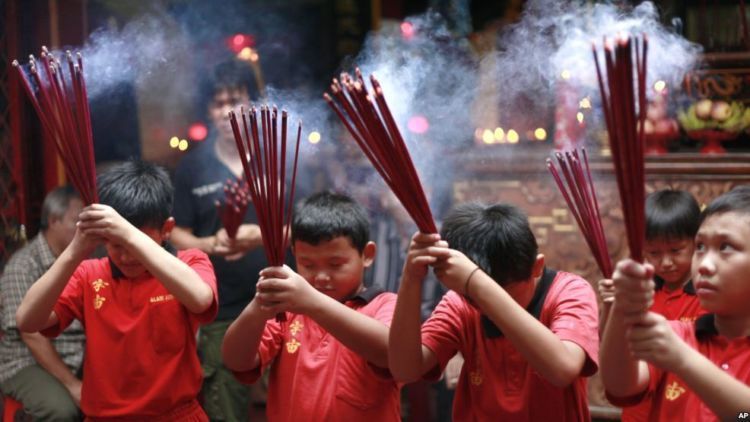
99	284
160	298
99	301
292	345
673	391
296	327
475	377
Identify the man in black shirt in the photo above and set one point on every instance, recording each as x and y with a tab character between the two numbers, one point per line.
199	183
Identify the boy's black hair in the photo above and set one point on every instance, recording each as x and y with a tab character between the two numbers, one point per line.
497	238
230	75
671	215
736	200
139	191
326	215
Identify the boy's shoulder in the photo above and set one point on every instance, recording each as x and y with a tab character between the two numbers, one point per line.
372	298
191	254
570	283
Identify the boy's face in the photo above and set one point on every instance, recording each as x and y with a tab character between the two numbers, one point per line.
671	259
125	261
334	267
721	264
223	102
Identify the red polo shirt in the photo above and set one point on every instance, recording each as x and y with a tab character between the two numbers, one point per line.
316	378
672	400
496	382
679	305
140	359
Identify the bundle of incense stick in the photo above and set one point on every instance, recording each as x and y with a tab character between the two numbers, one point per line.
624	103
62	106
232	211
369	120
263	151
577	187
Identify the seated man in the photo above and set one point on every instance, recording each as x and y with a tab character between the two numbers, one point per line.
38	372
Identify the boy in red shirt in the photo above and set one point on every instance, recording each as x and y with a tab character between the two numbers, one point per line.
528	333
672	219
141	306
692	370
329	358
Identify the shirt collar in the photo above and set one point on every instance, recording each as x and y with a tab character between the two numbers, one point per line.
368	294
705	327
117	273
687	288
534	308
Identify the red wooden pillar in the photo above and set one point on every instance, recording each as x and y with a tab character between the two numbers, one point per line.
14	114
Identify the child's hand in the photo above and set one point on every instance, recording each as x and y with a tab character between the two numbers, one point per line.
282	290
453	370
103	221
83	243
654	341
634	289
607	290
455	270
421	253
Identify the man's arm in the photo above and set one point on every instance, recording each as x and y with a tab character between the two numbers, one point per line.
183	238
48	358
248	238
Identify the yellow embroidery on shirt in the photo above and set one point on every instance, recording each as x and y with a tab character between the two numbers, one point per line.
99	284
475	377
160	298
99	301
296	327
673	391
292	345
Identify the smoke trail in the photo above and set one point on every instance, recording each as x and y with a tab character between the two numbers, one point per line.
553	37
151	47
436	75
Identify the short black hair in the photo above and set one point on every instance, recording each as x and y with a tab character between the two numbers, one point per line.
497	238
326	215
56	204
671	215
139	191
736	200
230	75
